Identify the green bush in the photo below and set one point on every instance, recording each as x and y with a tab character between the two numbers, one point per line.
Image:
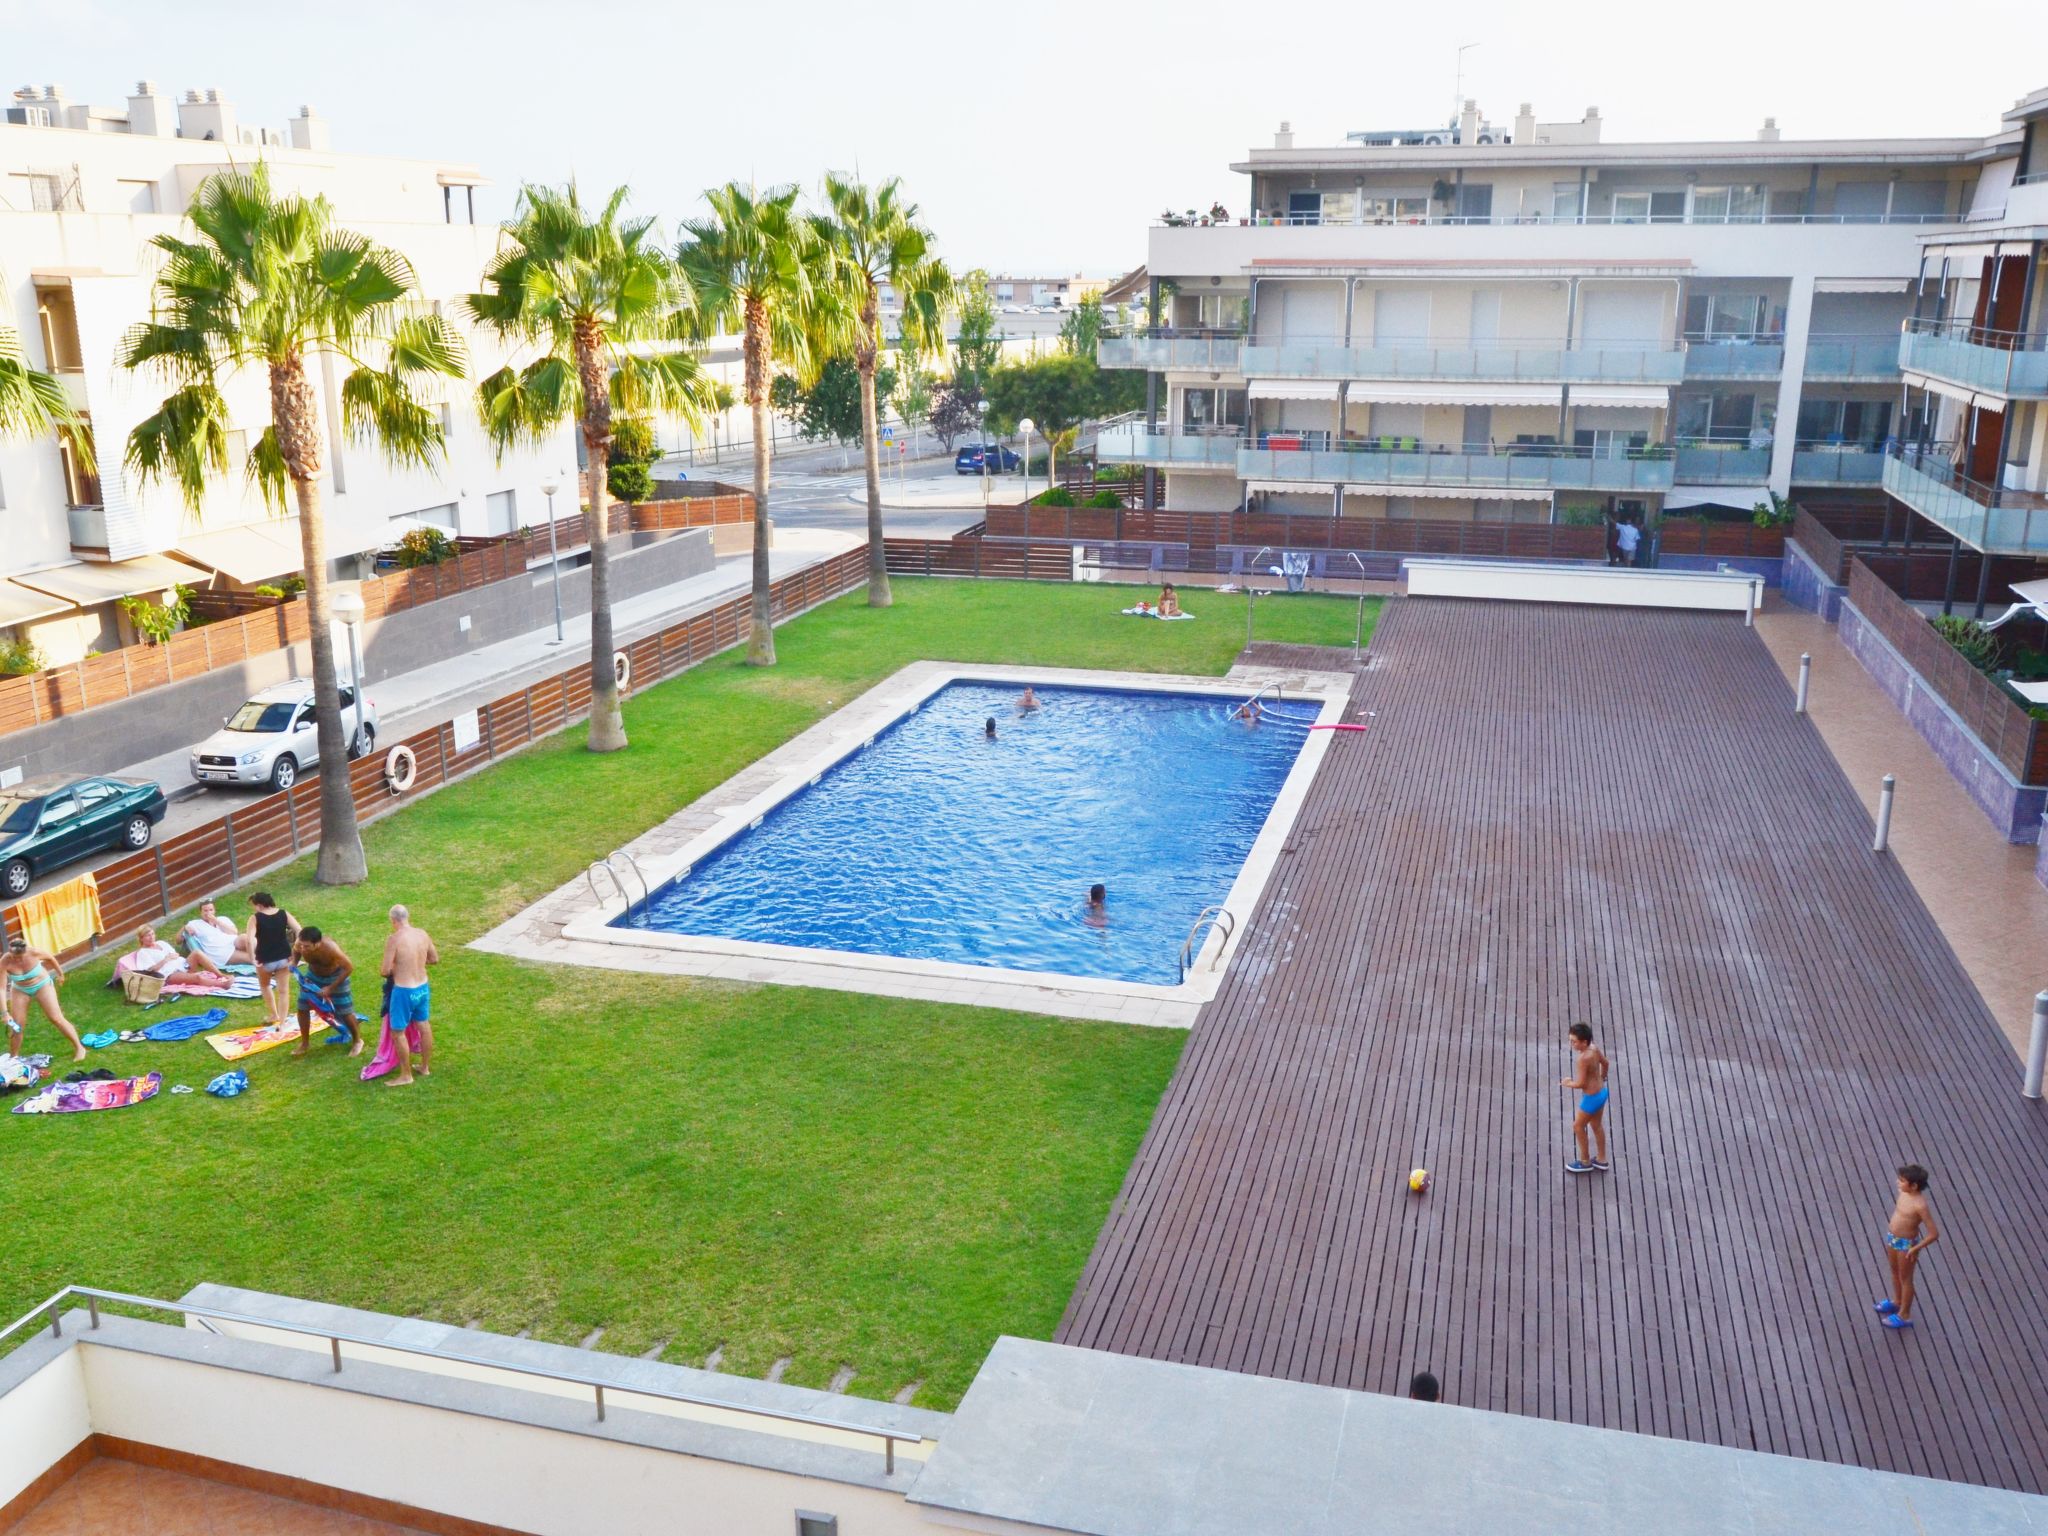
18	658
293	584
1582	515
629	481
157	622
1775	513
1105	499
1119	474
267	590
1058	496
632	441
424	546
1973	642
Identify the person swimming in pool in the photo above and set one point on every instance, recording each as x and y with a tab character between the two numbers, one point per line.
1028	702
1096	913
988	728
33	973
1249	712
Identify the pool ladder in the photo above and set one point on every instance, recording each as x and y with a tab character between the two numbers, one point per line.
618	882
1206	915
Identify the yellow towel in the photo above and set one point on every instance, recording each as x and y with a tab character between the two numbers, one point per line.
62	918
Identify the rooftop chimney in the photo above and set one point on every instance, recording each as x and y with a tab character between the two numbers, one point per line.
1468	122
1768	134
1525	123
308	131
148	113
1284	139
212	117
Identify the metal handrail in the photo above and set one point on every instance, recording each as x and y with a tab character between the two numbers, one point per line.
336	1337
590	878
1956	329
646	891
1358	630
1208	915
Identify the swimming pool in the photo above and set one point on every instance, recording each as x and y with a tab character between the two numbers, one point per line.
931	842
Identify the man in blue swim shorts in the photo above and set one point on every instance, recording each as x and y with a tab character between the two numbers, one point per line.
324	975
1589	1077
407	954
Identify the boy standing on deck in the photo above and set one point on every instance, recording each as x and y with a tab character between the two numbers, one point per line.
1910	1230
1589	1077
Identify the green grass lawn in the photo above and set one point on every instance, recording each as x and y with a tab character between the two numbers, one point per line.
839	1179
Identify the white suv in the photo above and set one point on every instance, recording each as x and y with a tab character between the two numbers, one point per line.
272	740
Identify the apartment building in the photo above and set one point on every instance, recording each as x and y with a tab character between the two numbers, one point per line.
1526	322
83	191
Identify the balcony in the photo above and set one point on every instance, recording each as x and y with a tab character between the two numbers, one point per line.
1735	357
2009	363
1986	517
1311	457
1549	362
88	531
1873	359
1702	461
1837	464
1194	448
1194	351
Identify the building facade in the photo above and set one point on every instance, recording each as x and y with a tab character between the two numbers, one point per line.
83	192
1528	323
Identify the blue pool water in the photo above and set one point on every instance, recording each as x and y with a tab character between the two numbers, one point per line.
936	844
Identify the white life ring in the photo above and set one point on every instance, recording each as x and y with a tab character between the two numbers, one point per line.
622	669
400	768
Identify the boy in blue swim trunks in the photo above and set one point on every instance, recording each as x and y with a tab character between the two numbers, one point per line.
1910	1230
407	954
1589	1077
325	975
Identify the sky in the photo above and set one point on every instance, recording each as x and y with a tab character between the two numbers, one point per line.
1037	139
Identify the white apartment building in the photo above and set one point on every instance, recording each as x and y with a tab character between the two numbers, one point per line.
83	191
1529	323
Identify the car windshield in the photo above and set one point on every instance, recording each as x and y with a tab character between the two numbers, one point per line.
259	716
18	815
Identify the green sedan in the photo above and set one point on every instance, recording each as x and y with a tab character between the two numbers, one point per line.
51	821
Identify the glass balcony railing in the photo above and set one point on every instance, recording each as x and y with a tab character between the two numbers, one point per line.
1702	461
2009	363
1193	448
1836	464
1313	458
1852	357
1990	518
1210	351
1550	362
1760	357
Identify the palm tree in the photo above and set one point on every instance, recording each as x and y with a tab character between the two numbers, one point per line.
34	403
759	265
592	291
269	284
875	239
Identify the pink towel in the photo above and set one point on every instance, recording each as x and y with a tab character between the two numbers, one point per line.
386	1059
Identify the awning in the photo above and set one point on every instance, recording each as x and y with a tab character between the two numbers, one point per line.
1731	496
1961	393
1447	492
1293	389
254	552
86	583
1862	284
1381	392
1284	487
1633	396
21	605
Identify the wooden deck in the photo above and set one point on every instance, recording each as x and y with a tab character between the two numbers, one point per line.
1566	813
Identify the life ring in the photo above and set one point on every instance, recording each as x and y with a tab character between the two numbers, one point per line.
400	769
622	670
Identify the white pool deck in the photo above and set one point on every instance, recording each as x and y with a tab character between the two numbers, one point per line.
571	925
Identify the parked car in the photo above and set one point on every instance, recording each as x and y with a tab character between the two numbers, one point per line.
50	821
1001	460
271	739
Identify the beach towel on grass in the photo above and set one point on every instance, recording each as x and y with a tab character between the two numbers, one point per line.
234	1044
71	1098
185	1026
1153	613
240	989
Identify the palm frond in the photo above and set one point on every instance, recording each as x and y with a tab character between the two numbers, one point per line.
184	441
264	469
524	405
33	402
378	406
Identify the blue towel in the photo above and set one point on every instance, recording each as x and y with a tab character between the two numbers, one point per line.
185	1026
228	1084
100	1041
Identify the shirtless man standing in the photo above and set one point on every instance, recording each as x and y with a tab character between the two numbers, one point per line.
1910	1230
326	976
1589	1076
407	954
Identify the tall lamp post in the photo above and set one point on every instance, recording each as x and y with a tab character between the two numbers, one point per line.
548	487
1027	426
346	606
981	425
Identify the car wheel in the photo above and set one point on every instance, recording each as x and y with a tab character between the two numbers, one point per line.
284	773
136	833
16	877
366	741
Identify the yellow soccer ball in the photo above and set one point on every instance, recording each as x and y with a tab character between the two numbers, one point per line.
1418	1181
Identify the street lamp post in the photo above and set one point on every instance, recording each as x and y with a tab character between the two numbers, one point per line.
1027	426
548	487
346	605
981	425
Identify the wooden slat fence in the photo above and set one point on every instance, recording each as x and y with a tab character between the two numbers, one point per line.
1821	544
57	692
1992	715
180	871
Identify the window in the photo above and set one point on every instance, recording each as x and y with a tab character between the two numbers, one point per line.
1631	207
348	697
1304	207
1394	207
1565	198
504	511
58	809
442	517
58	317
810	1523
1857	423
94	795
139	195
81	485
1475	203
1725	316
1727	205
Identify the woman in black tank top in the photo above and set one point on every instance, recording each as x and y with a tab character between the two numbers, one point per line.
273	927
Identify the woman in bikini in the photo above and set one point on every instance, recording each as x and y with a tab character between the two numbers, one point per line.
1169	602
30	973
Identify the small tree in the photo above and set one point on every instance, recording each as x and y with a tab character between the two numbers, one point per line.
1057	393
914	390
978	343
954	412
831	406
1082	327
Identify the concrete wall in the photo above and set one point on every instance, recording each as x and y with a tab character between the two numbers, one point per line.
1807	586
43	1412
163	719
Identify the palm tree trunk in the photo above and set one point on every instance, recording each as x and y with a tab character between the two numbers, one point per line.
607	720
342	861
761	625
871	452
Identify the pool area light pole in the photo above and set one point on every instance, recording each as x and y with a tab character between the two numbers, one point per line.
2037	1048
548	487
1884	814
1027	426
